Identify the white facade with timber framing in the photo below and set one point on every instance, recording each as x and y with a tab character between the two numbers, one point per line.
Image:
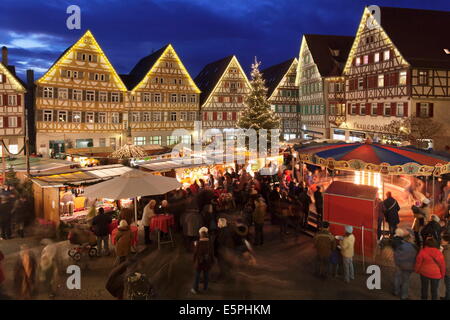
224	87
12	108
398	68
321	60
80	101
163	98
283	96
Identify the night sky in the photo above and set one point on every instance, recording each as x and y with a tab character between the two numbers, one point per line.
201	31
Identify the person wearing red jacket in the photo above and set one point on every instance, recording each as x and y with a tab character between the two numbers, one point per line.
430	265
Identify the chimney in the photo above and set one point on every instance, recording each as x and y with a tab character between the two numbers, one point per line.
5	56
30	78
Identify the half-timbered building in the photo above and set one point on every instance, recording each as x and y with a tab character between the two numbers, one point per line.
12	106
224	86
321	60
80	101
399	66
282	94
163	98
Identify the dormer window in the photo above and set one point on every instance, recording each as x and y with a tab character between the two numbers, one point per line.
358	61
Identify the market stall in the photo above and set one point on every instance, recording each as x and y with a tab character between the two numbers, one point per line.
60	196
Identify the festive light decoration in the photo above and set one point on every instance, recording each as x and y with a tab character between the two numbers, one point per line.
99	50
258	113
150	72
128	151
295	61
17	85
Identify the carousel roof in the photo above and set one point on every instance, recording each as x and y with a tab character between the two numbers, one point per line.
373	156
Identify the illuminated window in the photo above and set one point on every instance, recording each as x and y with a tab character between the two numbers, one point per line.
48	92
423	77
102	117
358	61
63	93
48	115
172	140
103	96
353	109
186	139
139	141
76	116
402	78
374	109
366	59
155	140
62	116
376	57
1	124
381	80
386	55
90	117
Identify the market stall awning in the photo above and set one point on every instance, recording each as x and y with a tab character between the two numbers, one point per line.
374	157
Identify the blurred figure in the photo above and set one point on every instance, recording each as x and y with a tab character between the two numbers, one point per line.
405	254
380	217
123	242
25	274
318	202
433	229
325	243
149	213
430	265
48	275
223	246
100	225
203	259
391	209
19	214
421	216
446	252
259	215
5	217
347	246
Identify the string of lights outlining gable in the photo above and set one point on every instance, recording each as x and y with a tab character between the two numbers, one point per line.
87	34
223	74
17	85
362	23
147	76
288	70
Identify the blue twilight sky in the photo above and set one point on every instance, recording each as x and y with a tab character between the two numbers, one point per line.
201	31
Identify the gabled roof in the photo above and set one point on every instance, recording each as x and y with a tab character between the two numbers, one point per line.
11	71
274	74
210	75
420	35
143	67
322	47
69	49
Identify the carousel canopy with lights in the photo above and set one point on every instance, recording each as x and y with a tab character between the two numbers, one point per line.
373	157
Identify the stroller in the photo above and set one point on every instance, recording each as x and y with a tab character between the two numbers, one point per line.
85	242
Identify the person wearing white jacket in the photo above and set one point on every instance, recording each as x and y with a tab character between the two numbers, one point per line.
149	212
347	246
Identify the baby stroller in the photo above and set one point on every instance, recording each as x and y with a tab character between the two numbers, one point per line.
85	242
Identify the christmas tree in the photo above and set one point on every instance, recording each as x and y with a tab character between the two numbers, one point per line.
257	113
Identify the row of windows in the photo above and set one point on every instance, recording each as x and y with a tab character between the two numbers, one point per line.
10	100
289	93
173	97
290	123
282	108
386	109
378	81
337	109
311	88
170	140
77	95
90	57
9	122
76	116
159	80
75	74
213	116
228	99
168	116
373	58
335	87
314	109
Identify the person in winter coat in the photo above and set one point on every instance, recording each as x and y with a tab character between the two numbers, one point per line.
430	265
421	216
446	253
405	254
347	246
258	218
203	259
148	214
432	229
25	274
223	247
100	225
123	241
391	209
19	213
325	244
318	202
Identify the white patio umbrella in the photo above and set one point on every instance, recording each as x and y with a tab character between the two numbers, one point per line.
133	184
